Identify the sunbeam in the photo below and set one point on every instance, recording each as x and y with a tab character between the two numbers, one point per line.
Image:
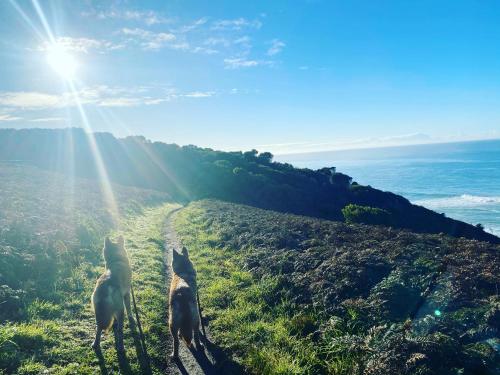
101	169
66	65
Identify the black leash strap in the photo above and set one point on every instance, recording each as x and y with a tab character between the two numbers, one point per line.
139	325
201	316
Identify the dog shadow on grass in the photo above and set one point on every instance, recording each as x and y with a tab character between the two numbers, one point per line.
123	362
140	349
217	362
101	362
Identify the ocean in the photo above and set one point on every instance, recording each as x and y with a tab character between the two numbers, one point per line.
461	180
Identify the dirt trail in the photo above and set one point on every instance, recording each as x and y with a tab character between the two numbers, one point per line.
209	361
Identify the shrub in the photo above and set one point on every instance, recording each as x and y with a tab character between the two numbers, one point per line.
354	213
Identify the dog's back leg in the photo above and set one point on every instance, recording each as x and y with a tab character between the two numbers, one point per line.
197	341
174	331
96	345
118	330
174	325
128	307
195	324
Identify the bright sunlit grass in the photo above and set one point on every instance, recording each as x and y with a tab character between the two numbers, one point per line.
62	62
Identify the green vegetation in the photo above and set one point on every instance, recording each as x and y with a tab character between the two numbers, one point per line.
354	213
191	173
51	242
294	295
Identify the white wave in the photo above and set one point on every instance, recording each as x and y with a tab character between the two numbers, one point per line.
458	201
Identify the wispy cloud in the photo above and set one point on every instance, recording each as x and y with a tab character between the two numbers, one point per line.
48	119
82	45
8	117
29	100
224	42
102	96
276	47
148	39
241	62
193	25
199	94
148	17
236	24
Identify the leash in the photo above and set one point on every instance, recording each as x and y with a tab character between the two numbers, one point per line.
139	325
201	316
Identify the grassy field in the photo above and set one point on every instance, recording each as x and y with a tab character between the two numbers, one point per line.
284	294
50	244
294	295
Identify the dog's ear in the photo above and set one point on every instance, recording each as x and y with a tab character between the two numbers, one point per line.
175	254
121	241
185	252
107	242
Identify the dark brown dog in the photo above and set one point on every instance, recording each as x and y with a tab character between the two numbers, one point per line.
184	316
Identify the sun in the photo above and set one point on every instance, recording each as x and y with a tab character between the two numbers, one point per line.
62	62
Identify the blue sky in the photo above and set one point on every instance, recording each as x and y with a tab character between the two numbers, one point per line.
285	76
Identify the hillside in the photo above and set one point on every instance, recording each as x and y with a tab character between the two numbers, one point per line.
51	235
189	173
295	295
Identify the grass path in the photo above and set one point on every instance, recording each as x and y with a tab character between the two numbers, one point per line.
56	339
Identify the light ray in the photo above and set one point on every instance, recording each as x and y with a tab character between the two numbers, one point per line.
109	198
45	24
101	169
154	158
26	19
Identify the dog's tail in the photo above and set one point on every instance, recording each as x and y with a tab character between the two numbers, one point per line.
183	305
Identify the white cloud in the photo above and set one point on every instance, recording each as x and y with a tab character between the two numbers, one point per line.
29	100
7	117
150	40
193	26
243	42
82	45
205	50
217	42
48	119
120	102
240	62
276	47
148	17
200	94
102	96
236	24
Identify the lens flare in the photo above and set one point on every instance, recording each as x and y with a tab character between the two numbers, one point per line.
62	62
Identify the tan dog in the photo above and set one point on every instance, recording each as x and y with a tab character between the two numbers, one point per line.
184	315
112	292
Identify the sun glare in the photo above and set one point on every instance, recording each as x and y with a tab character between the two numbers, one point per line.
62	62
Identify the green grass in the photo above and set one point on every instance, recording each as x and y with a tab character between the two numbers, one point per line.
250	317
57	336
294	295
52	230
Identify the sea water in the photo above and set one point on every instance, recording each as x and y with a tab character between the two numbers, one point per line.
461	180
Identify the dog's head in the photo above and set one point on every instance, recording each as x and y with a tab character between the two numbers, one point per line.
114	250
181	264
